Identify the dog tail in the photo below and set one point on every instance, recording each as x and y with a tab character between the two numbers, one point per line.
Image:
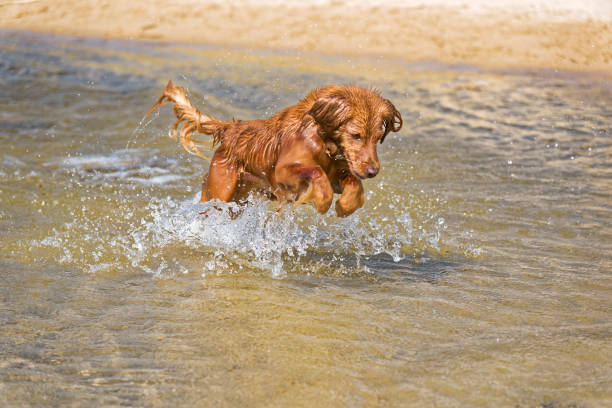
191	119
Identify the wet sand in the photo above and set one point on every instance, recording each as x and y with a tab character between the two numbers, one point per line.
575	36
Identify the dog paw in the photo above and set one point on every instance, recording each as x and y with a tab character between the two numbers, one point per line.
342	211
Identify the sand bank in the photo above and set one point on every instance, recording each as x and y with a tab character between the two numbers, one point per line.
573	35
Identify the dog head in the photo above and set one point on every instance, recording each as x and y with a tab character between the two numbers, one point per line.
355	119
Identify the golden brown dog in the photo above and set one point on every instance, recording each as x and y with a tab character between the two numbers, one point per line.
324	144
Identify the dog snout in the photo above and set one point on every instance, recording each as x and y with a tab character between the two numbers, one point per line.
372	171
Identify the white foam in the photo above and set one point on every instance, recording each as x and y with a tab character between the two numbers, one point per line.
131	165
170	237
98	162
266	239
157	180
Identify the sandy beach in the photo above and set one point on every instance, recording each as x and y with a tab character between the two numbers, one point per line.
571	35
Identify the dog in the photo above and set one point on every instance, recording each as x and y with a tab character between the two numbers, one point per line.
324	144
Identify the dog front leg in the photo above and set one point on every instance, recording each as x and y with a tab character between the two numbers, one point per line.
309	183
352	197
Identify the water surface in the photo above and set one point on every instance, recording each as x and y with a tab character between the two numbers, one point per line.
477	274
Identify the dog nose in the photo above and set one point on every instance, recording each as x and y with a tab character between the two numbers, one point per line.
371	171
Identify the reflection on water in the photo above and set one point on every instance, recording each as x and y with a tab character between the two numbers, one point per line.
477	274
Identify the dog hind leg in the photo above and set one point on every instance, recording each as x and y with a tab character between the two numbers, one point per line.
221	181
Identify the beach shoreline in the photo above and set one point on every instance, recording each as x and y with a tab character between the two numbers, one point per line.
528	36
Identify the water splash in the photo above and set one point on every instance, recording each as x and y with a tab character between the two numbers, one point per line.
174	236
293	240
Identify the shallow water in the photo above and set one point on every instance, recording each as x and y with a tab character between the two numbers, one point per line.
477	274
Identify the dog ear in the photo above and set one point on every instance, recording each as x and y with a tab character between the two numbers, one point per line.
330	112
392	120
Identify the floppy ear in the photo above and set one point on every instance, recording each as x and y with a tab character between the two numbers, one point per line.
330	112
392	120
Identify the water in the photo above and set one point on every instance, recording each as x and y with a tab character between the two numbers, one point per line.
477	274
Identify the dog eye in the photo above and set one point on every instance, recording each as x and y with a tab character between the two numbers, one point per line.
356	136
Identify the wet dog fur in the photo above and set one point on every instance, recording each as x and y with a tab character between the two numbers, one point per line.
324	144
